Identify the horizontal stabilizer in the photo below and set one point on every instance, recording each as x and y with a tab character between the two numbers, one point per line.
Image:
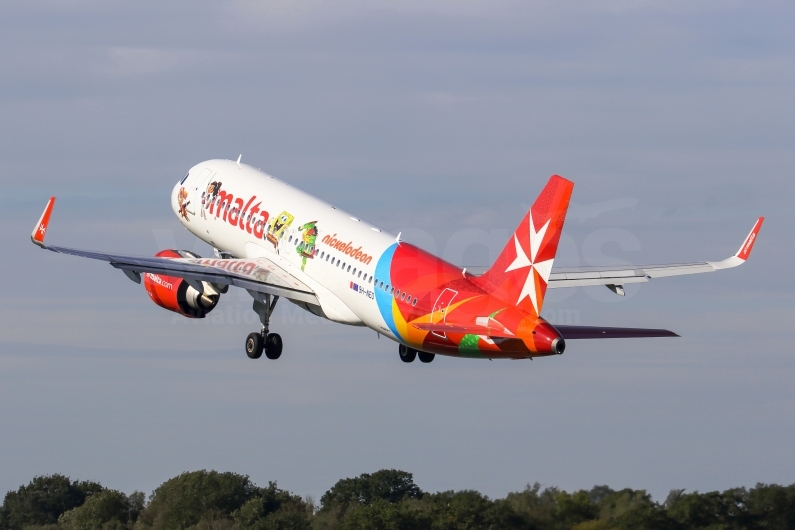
596	332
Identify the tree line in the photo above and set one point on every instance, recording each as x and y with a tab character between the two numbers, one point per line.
387	499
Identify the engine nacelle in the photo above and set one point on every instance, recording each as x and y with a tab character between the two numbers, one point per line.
177	295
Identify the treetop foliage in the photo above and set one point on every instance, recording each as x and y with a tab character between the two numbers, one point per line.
385	500
388	484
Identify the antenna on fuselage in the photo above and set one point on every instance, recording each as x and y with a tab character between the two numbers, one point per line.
238	161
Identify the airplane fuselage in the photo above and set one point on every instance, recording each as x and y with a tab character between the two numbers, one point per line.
360	274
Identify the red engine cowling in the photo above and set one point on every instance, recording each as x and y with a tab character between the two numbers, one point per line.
175	294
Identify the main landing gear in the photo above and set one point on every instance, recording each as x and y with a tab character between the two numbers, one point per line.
271	343
408	355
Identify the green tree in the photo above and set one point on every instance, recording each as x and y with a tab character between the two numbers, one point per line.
274	509
390	485
574	508
43	501
537	507
470	510
772	507
384	515
723	511
634	509
593	525
187	499
107	510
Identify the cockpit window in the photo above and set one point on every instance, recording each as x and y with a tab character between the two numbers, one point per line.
181	182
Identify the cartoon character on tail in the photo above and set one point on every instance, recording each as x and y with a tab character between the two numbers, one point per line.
306	248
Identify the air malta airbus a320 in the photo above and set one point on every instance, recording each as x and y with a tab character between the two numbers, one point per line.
278	242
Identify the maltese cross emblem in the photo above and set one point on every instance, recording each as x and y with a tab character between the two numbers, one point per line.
540	269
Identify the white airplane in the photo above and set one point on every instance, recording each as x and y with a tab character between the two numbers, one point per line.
276	241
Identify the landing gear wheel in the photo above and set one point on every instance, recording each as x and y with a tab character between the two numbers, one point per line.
273	346
426	357
407	355
254	345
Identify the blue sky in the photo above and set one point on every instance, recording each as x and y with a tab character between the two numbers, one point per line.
441	120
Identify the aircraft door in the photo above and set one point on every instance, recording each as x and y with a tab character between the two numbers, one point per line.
440	308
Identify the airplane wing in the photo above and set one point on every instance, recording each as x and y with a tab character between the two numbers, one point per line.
259	275
615	277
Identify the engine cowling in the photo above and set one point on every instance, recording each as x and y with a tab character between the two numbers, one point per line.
177	295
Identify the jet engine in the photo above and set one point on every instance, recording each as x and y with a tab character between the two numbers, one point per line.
179	296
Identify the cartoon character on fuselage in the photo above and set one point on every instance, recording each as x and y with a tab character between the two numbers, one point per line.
182	200
277	227
306	248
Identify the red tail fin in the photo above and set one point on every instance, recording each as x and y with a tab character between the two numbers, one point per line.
520	274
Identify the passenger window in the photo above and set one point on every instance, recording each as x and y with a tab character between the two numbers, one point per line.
381	285
398	293
349	268
360	274
290	239
403	296
392	291
354	271
414	302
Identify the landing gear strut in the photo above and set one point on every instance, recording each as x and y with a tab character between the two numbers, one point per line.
271	343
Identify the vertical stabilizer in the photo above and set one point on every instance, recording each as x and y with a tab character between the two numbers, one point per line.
521	272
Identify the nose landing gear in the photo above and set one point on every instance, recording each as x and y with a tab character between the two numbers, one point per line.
271	343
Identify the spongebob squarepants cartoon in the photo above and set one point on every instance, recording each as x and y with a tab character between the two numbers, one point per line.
277	226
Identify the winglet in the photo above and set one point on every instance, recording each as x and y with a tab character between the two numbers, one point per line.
742	254
748	244
41	227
